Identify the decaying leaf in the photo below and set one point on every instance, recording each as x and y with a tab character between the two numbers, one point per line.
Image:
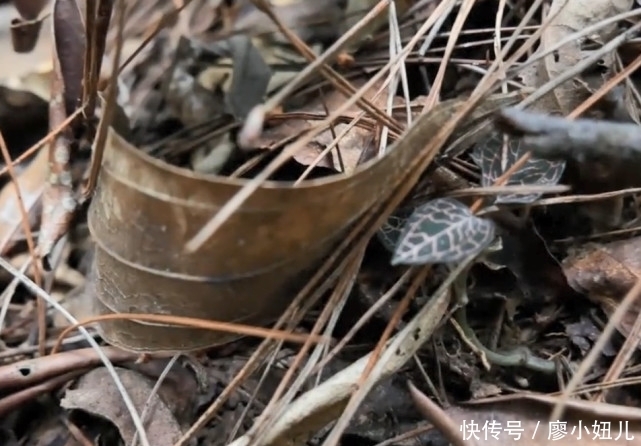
513	419
605	273
568	17
442	231
352	147
97	394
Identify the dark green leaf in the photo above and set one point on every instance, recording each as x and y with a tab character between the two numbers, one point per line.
442	231
493	160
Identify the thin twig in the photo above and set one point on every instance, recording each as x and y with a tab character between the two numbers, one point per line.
41	306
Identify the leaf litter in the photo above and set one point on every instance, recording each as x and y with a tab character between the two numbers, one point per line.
194	172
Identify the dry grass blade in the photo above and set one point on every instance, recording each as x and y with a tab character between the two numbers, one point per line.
433	96
247	330
366	381
290	318
338	81
275	406
422	163
497	190
41	307
586	198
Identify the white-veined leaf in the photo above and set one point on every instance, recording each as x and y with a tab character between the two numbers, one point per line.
392	229
442	231
494	161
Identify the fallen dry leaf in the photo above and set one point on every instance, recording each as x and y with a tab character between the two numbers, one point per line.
351	146
96	393
605	273
571	16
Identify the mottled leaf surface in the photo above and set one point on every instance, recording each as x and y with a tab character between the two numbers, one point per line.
495	159
442	231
